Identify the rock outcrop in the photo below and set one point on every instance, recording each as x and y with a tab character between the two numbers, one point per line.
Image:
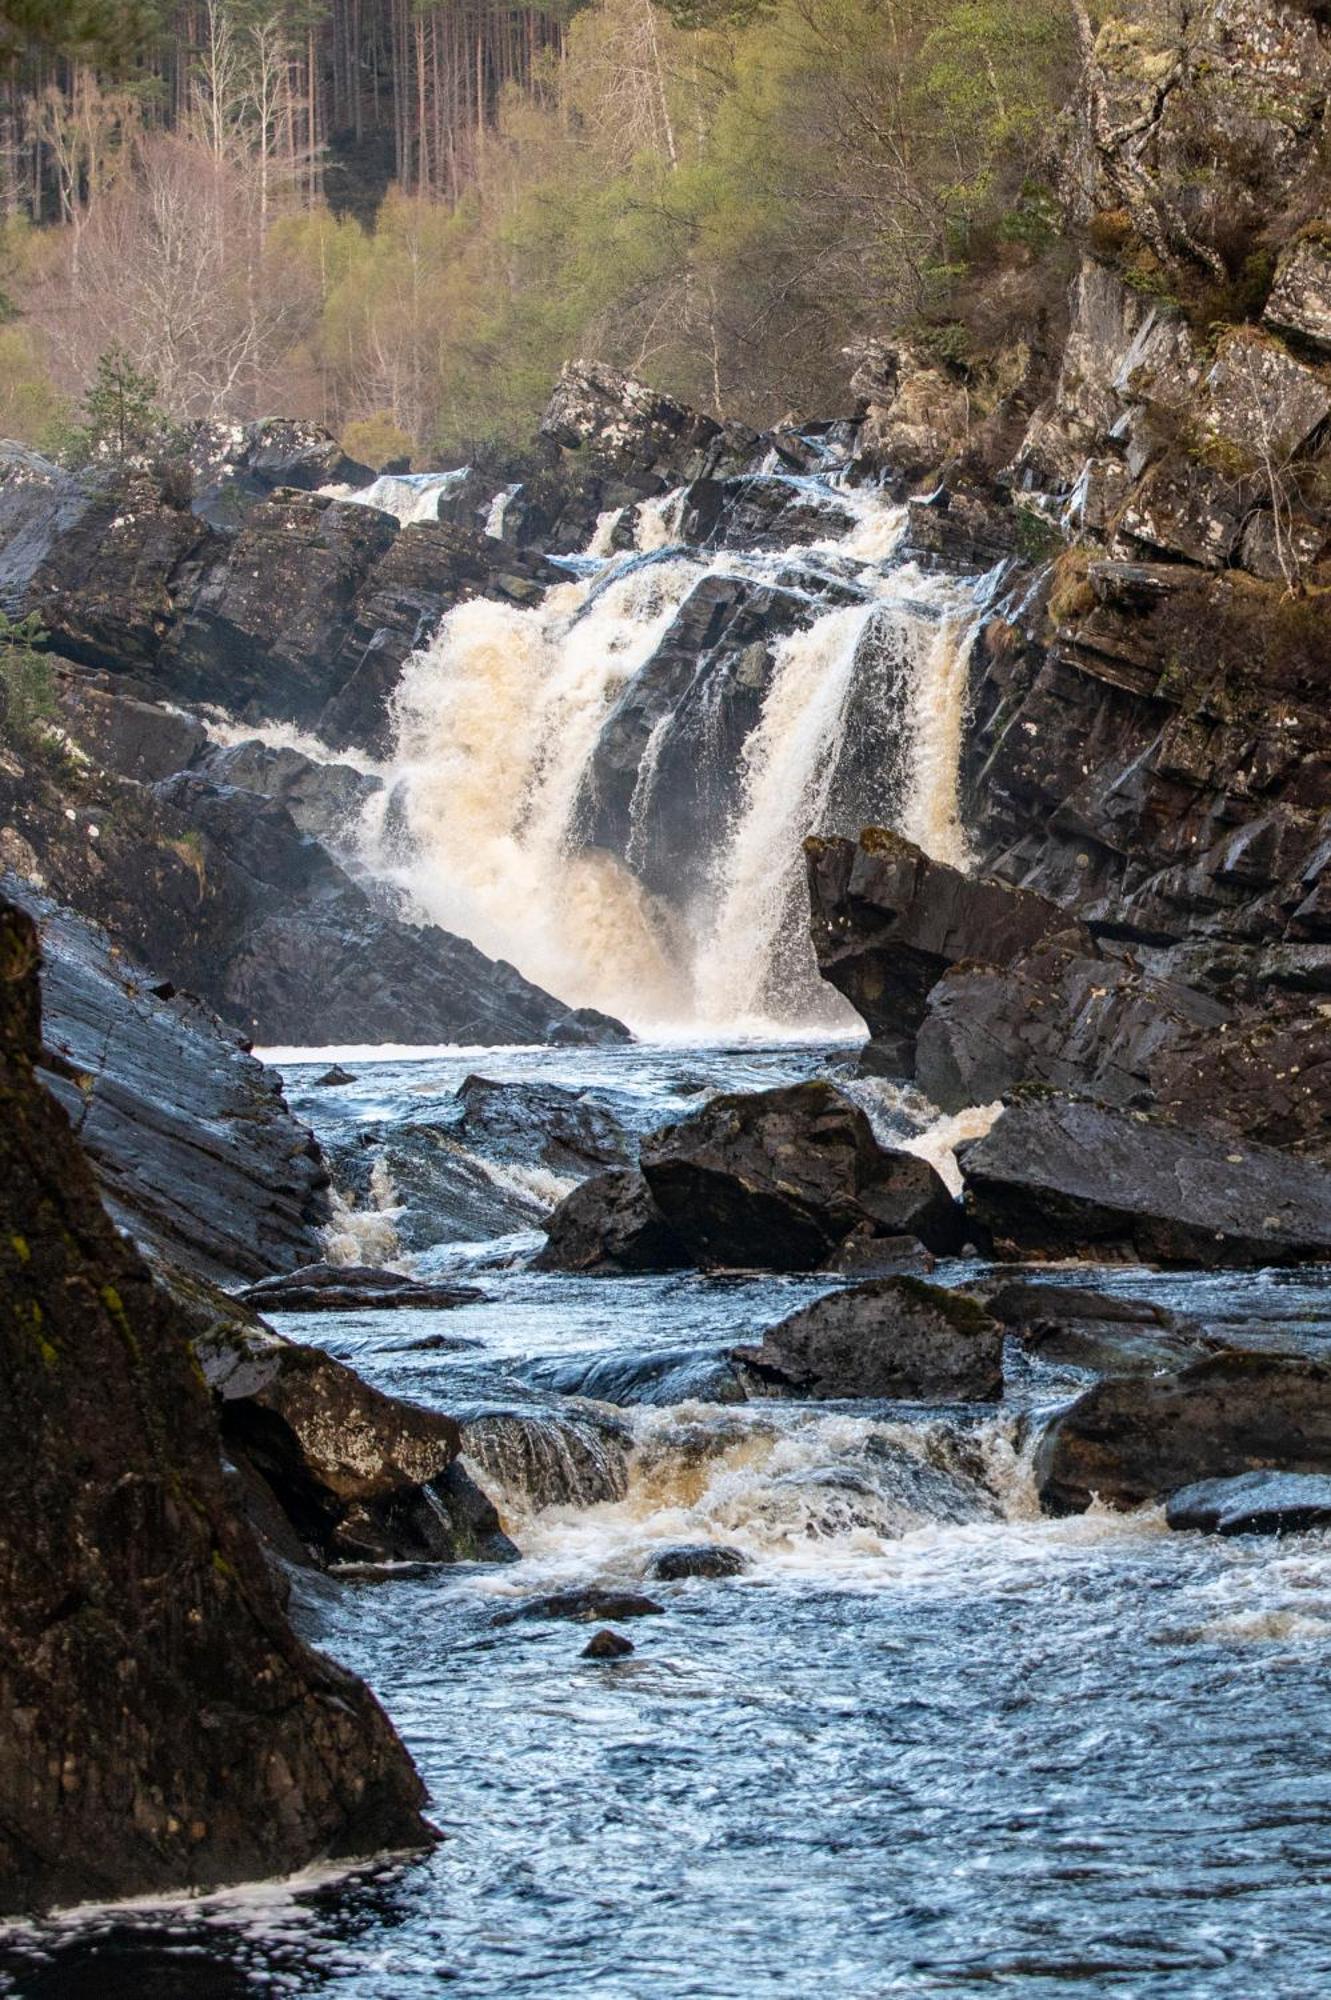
194	1148
891	1338
217	889
611	1224
888	922
780	1180
1128	1441
357	1475
1058	1176
165	1726
1254	1503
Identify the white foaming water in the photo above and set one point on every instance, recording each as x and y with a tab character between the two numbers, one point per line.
494	520
408	496
496	721
604	533
366	1235
827	1491
938	1142
499	717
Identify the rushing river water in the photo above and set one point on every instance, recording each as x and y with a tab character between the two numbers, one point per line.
927	1742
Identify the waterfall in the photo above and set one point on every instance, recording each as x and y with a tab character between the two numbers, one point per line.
856	714
410	496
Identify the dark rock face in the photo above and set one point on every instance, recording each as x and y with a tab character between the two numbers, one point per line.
888	922
193	1145
658	1376
346	1287
1256	1503
360	1476
705	1559
1079	1328
324	800
1060	1177
893	1337
429	568
39	503
263	627
611	1224
134	738
760	510
297	951
1130	1441
778	1180
143	1652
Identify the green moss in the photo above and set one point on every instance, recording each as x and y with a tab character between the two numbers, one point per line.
115	1307
19	1245
965	1314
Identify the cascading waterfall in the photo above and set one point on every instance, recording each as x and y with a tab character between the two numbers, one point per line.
498	720
408	496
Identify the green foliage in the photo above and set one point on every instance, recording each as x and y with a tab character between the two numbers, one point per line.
27	689
121	418
107	31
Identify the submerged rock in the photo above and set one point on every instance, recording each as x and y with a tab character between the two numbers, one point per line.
352	1288
1058	1177
1255	1503
585	1606
611	1224
144	1656
1127	1441
1078	1328
705	1559
607	1645
778	1180
894	1337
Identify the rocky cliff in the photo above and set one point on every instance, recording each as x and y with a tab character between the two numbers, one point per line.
165	1726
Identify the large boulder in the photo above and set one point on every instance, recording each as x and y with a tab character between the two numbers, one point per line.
568	1130
360	1476
194	1147
1057	1176
893	1337
144	1656
611	1224
1132	1440
779	1180
1300	299
639	432
888	921
324	800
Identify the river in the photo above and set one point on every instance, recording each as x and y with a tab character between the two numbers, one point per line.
925	1743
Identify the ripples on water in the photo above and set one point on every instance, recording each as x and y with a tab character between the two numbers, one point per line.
929	1743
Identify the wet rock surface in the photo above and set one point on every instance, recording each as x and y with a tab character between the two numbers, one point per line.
701	1559
611	1223
1072	1326
1126	1442
895	1337
1255	1503
569	1130
348	1287
195	1150
360	1476
143	1649
778	1180
585	1606
888	922
1059	1176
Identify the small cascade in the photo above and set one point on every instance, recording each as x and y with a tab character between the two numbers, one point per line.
494	520
657	525
789	1487
529	1461
368	1234
409	496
